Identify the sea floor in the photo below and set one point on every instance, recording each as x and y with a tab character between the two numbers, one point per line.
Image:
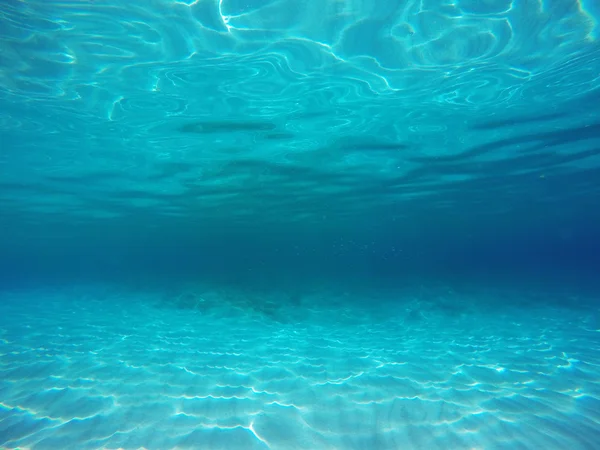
103	367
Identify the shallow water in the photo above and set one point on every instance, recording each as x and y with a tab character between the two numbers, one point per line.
299	224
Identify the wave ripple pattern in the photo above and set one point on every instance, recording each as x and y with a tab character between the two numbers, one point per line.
268	108
109	370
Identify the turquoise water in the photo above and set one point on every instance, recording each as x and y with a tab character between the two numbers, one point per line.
299	225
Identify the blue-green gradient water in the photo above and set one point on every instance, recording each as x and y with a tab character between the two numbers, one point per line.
339	224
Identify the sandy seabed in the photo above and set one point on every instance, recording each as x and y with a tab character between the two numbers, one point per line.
98	368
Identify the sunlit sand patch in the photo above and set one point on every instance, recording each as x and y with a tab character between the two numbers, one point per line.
324	396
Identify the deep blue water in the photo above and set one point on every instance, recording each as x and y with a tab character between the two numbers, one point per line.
303	224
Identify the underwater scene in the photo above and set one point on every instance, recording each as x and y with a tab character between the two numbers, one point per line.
300	224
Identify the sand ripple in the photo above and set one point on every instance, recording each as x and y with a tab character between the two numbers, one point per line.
98	374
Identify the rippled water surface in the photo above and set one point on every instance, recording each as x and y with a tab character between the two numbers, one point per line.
336	224
204	110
